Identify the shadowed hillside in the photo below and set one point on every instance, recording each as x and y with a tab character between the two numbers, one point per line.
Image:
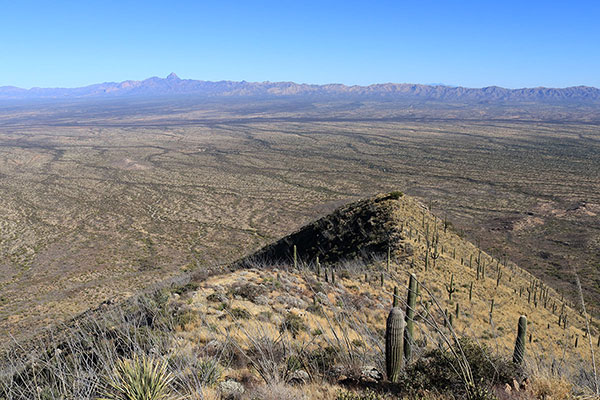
359	230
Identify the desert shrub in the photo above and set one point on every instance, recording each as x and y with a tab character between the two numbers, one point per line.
290	301
366	395
140	378
277	391
265	316
321	361
438	370
240	313
217	297
293	363
395	195
268	357
188	287
293	323
184	316
227	352
248	291
551	388
315	308
345	274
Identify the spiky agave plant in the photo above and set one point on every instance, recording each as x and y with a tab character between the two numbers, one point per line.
141	378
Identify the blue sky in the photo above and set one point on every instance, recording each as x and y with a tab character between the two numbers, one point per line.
522	43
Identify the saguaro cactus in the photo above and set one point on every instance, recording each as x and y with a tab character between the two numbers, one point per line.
450	288
520	343
295	257
395	299
394	338
483	270
435	255
411	304
499	276
318	268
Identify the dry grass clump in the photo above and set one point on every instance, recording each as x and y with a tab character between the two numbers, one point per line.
276	391
551	388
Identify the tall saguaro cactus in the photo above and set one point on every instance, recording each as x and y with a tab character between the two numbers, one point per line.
318	266
411	304
295	257
394	338
450	288
520	343
389	258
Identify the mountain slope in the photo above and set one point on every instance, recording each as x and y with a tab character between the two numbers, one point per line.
427	246
172	85
308	331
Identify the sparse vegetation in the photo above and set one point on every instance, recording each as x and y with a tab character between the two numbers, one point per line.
105	205
237	334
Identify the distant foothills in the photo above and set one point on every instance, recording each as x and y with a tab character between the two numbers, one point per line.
172	85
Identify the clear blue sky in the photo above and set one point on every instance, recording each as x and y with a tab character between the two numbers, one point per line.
469	43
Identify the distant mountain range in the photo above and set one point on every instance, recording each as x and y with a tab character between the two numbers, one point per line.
172	85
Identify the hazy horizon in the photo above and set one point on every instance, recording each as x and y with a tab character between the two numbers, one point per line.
473	44
449	85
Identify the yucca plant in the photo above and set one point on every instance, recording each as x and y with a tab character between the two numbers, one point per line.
141	378
209	372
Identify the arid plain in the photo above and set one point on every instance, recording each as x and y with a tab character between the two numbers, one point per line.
101	199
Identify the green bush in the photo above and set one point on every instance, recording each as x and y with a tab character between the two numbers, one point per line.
185	316
248	291
322	361
240	313
189	287
293	323
395	195
438	370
